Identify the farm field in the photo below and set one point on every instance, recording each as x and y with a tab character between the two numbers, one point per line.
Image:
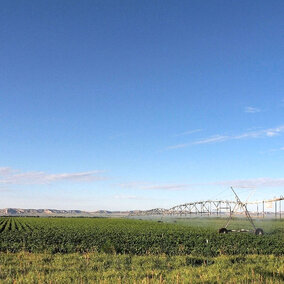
84	250
138	237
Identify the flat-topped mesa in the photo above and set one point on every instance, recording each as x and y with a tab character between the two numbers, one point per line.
58	212
19	211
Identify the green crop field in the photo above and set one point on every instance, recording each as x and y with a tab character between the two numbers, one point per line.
66	250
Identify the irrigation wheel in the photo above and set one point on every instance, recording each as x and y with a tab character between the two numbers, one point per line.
259	232
223	231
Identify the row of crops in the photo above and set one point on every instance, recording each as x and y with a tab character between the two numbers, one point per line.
13	224
124	236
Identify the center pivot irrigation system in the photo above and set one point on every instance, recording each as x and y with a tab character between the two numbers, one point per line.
240	205
270	208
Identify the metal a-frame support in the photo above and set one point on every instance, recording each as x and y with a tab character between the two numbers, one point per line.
240	205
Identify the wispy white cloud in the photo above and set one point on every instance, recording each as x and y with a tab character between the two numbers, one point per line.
189	132
134	184
238	183
130	197
171	187
252	183
9	176
273	150
149	186
5	171
270	132
178	146
118	135
213	139
250	109
4	188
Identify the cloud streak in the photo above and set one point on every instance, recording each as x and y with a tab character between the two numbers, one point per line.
213	139
270	132
189	132
250	109
239	183
9	176
252	183
149	186
274	150
131	197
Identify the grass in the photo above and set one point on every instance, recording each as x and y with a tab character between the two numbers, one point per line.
26	267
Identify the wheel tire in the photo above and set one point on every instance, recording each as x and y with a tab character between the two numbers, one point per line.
259	232
223	231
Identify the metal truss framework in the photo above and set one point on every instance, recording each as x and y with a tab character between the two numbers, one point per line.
219	208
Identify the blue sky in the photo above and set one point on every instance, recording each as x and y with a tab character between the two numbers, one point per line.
139	104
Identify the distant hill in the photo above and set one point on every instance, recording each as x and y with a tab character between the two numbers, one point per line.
63	213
